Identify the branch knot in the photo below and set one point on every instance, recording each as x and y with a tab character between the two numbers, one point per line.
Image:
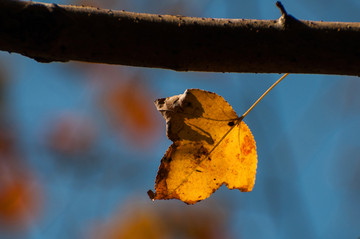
286	20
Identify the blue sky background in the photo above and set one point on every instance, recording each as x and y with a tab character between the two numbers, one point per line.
307	133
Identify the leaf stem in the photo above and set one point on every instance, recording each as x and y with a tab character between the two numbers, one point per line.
263	95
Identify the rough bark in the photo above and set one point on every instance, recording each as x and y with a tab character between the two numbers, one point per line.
50	32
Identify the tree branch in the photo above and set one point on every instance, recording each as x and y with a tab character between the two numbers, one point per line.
50	32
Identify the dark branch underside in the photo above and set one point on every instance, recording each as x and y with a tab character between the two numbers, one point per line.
48	32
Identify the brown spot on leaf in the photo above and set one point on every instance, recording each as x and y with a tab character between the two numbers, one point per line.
247	146
231	123
202	151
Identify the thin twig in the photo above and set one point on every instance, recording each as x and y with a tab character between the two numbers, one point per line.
281	7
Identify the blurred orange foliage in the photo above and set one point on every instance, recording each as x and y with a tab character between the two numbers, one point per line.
20	195
131	110
19	202
6	142
71	134
127	101
140	222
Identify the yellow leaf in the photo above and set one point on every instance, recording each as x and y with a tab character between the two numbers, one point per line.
211	147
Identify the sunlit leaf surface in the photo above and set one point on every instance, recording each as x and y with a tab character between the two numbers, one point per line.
211	147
